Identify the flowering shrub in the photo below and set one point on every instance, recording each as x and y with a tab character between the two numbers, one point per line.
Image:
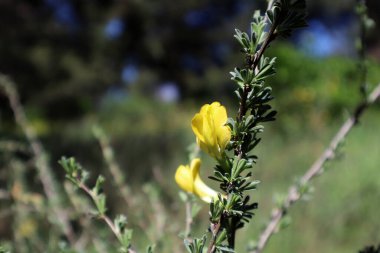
229	141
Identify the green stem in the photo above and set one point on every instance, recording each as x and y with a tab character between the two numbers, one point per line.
232	232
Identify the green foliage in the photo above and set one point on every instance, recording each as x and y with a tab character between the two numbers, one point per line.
196	245
74	171
230	212
3	250
327	84
123	234
78	176
250	44
287	15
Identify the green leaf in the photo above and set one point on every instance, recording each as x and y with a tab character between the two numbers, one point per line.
251	185
196	245
123	234
223	249
3	250
266	69
285	222
183	196
238	166
288	16
243	39
195	209
258	34
98	185
221	237
120	222
126	237
74	171
150	248
100	202
243	77
216	209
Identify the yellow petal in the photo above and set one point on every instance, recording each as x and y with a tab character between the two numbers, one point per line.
224	136
209	127
204	109
206	147
199	187
209	133
197	126
184	178
188	178
195	165
203	191
219	114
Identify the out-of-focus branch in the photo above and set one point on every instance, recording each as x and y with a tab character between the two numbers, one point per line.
215	228
189	219
113	166
88	235
45	174
103	217
329	153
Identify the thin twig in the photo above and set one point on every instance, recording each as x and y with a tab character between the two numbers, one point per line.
294	194
189	219
113	166
117	174
103	217
215	228
45	174
80	205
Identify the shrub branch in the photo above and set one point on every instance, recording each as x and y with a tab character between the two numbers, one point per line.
47	179
294	193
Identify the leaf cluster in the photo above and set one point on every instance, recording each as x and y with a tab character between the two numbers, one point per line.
230	211
3	250
251	43
234	181
287	15
257	110
196	245
236	184
234	174
78	176
235	207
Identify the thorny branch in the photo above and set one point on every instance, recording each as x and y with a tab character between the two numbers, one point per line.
329	153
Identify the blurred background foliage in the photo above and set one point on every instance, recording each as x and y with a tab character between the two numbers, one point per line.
141	69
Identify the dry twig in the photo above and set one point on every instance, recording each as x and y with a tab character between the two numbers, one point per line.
46	176
329	153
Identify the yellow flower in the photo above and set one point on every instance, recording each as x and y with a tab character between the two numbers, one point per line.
188	178
209	127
